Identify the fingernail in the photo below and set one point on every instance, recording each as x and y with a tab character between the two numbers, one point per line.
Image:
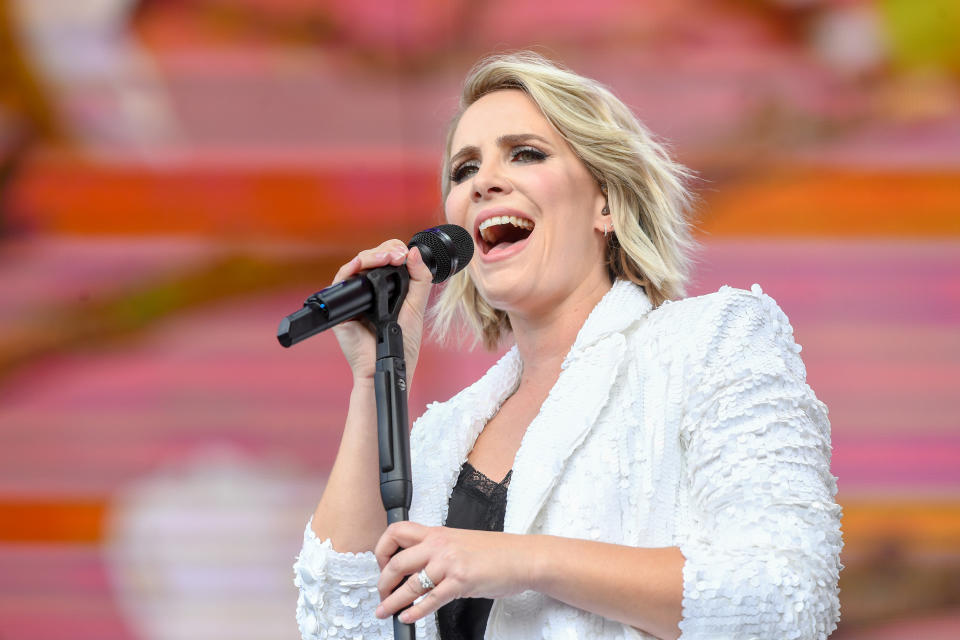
381	255
378	612
405	617
399	254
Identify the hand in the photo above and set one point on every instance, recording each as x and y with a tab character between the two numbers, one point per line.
357	340
462	563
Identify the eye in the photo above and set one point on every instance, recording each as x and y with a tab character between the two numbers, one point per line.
524	154
463	171
528	154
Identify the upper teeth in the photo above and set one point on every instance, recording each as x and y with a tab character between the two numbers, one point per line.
523	223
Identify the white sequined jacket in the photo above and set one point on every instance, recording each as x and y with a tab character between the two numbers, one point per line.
690	425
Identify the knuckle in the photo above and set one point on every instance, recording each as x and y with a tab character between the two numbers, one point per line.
386	572
439	539
456	589
451	556
457	573
414	585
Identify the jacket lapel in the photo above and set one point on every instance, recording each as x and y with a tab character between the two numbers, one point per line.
564	421
573	405
464	417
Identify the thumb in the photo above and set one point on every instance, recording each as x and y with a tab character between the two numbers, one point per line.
419	271
421	279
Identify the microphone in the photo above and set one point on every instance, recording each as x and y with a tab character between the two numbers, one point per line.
446	250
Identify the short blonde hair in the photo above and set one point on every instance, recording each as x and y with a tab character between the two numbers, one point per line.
645	189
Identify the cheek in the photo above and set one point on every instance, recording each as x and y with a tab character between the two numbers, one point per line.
566	201
454	209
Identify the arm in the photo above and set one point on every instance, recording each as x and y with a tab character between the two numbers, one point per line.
336	572
350	512
639	587
763	545
760	557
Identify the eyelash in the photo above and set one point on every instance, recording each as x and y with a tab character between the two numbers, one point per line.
458	174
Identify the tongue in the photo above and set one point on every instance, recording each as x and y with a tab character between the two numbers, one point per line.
500	246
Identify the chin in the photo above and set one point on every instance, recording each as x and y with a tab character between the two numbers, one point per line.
527	297
503	293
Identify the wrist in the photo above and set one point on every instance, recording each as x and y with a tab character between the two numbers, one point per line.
362	393
535	562
365	384
362	384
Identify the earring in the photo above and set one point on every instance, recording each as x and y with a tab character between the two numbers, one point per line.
607	228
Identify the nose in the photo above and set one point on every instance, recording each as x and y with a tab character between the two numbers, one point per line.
489	181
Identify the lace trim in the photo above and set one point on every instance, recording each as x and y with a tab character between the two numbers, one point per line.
470	478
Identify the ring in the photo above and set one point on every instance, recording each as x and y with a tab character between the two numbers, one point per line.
425	582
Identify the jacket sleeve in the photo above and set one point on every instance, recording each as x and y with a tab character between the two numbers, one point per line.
763	540
338	592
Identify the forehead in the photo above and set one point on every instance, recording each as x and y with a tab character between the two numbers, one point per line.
508	111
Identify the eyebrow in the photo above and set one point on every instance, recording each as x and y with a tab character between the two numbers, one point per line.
506	140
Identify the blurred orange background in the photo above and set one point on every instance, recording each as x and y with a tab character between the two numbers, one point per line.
177	175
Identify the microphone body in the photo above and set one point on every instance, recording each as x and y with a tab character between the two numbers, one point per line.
446	249
325	309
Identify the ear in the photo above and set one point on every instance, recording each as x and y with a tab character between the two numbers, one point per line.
602	220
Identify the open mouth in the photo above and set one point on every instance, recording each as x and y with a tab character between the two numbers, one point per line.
500	232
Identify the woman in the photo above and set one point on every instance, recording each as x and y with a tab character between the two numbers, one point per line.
666	465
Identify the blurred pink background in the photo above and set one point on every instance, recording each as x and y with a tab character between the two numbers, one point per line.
177	175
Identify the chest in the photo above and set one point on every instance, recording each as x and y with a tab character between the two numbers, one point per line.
496	447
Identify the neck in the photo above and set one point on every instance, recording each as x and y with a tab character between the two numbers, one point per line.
544	339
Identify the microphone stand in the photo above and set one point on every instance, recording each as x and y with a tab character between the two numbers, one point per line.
390	286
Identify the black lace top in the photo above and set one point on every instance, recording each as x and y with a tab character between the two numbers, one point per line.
478	503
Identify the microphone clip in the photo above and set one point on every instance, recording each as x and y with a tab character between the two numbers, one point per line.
389	285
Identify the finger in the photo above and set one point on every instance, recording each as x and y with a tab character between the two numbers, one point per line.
393	247
398	535
389	246
404	596
443	593
389	252
347	270
404	563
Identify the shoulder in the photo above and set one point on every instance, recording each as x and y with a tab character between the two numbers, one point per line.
728	325
727	304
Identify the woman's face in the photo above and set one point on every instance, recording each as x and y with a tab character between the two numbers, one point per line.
532	206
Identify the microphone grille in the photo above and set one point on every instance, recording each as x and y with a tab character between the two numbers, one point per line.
450	247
